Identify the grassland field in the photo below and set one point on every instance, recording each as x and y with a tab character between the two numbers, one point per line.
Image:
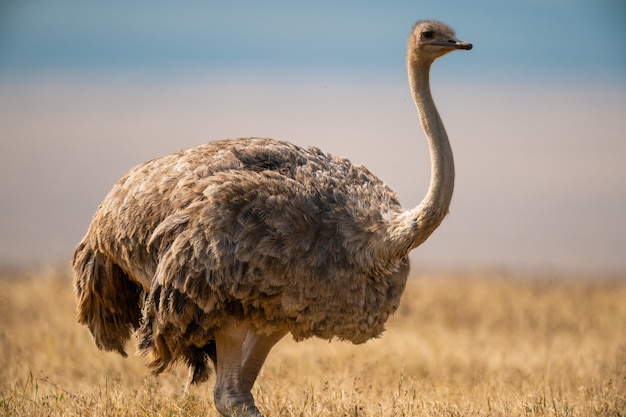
461	344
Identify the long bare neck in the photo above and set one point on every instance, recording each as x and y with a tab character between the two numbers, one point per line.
412	227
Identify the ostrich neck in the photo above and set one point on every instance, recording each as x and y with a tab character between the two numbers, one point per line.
417	224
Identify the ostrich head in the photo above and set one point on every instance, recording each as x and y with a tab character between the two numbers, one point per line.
431	39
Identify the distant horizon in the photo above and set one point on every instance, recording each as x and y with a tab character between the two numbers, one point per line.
536	178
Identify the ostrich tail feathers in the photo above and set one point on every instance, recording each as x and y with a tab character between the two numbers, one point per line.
198	361
109	302
156	349
162	358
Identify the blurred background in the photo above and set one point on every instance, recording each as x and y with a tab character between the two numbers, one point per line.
535	113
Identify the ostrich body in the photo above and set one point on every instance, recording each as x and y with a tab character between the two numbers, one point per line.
214	253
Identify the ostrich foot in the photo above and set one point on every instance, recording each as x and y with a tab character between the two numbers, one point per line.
231	405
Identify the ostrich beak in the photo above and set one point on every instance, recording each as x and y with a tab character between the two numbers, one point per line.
463	45
457	44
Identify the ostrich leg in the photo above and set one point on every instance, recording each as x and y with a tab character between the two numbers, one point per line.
240	356
256	347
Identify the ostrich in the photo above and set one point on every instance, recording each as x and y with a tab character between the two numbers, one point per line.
213	254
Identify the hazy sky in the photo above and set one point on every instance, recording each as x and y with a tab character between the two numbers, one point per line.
535	112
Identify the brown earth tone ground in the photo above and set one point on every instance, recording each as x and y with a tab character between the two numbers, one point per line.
462	344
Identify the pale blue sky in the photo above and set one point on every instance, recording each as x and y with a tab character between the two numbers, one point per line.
534	37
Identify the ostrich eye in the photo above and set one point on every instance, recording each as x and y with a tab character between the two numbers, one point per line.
428	34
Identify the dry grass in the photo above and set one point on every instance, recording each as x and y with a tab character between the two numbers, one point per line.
471	345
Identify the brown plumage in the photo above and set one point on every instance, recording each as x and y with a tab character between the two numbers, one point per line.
217	251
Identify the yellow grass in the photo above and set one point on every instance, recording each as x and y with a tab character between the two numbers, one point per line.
460	345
